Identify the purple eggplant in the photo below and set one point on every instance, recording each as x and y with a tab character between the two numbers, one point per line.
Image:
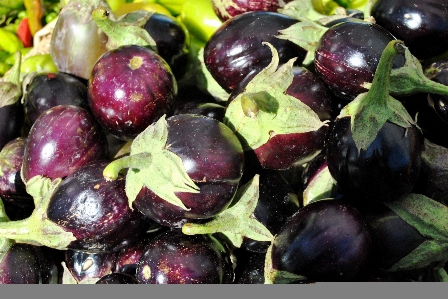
236	47
82	212
117	278
175	258
62	140
212	158
12	188
12	120
172	41
28	264
87	267
46	90
130	87
422	25
326	240
347	56
229	9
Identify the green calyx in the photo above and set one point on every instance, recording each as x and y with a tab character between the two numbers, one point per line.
264	109
127	30
237	221
37	229
369	111
151	164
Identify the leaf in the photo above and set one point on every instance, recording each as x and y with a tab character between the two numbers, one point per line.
276	112
430	219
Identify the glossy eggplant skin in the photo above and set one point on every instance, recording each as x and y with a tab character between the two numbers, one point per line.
213	158
387	169
12	119
175	258
12	188
236	47
46	90
347	55
130	87
96	210
422	25
62	139
85	265
171	40
326	240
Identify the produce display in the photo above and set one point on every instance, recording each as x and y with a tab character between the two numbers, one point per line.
223	142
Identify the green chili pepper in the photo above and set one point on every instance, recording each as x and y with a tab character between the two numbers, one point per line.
174	6
37	63
4	68
200	18
9	41
11	59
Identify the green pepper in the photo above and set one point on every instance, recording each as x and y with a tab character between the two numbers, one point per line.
352	4
200	18
9	41
4	68
11	59
174	6
37	63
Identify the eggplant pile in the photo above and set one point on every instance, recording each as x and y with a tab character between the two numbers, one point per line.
301	142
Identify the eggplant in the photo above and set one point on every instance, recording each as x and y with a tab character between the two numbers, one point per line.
236	48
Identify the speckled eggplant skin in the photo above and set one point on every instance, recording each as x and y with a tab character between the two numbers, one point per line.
236	47
96	210
228	9
326	240
175	258
347	56
213	158
117	278
12	188
130	88
27	264
62	139
388	168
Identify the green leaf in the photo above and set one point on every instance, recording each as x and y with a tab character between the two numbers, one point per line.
430	219
301	8
151	164
264	110
236	221
127	30
306	34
